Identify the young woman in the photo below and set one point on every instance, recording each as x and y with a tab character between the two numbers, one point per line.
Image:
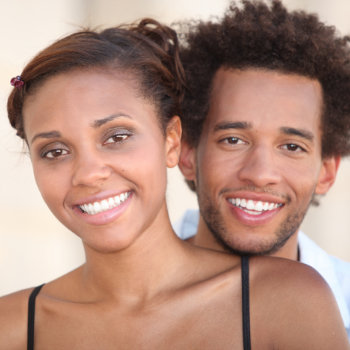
99	114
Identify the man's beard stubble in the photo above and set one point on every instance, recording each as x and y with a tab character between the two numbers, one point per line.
216	226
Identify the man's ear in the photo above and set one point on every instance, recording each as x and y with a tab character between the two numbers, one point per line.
327	174
187	163
173	141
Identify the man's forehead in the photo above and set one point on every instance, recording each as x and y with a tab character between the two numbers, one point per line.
256	78
251	95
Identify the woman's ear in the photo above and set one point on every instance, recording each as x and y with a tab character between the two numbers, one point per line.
173	141
327	174
187	163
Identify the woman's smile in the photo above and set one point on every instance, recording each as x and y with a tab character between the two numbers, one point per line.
105	211
105	204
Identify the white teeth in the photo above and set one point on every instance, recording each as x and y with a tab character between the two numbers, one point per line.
90	208
252	212
259	206
105	204
252	207
97	207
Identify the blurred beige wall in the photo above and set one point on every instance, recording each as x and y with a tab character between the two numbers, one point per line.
34	247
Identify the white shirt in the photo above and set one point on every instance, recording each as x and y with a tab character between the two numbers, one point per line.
336	272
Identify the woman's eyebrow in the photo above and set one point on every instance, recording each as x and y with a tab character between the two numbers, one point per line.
99	122
46	135
95	124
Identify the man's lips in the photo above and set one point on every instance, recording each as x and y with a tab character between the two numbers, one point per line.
254	207
254	212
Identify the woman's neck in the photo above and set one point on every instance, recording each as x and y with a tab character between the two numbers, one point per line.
139	271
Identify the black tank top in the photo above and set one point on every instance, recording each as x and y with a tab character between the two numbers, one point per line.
31	317
245	303
245	308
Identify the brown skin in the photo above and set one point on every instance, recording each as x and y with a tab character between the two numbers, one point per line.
141	287
188	312
261	141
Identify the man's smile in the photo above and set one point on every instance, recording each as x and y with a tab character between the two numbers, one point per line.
254	207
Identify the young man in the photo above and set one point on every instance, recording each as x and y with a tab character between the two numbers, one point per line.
266	121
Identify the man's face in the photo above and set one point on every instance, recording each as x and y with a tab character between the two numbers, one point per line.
258	162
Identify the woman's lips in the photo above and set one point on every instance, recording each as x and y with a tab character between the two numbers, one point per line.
104	211
104	205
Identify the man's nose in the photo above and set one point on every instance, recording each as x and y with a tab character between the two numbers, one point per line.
260	167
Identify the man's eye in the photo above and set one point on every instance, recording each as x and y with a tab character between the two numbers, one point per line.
292	147
117	138
55	153
232	140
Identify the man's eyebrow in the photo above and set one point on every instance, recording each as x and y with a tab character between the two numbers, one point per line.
99	122
298	132
232	125
46	135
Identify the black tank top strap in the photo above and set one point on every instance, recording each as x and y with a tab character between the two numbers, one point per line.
31	317
245	302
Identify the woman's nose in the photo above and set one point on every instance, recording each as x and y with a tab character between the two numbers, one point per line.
90	170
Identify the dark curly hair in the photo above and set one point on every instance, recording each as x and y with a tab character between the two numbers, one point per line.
267	36
148	50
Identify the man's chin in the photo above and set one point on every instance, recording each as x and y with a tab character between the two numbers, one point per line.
251	250
260	241
253	247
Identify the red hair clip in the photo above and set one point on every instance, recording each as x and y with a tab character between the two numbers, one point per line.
17	82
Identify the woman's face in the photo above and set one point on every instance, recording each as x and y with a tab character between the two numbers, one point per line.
99	156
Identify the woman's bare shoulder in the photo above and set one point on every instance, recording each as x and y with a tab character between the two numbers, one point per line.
273	267
301	307
290	276
13	319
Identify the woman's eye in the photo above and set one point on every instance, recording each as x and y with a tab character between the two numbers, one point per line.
55	153
117	138
292	147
